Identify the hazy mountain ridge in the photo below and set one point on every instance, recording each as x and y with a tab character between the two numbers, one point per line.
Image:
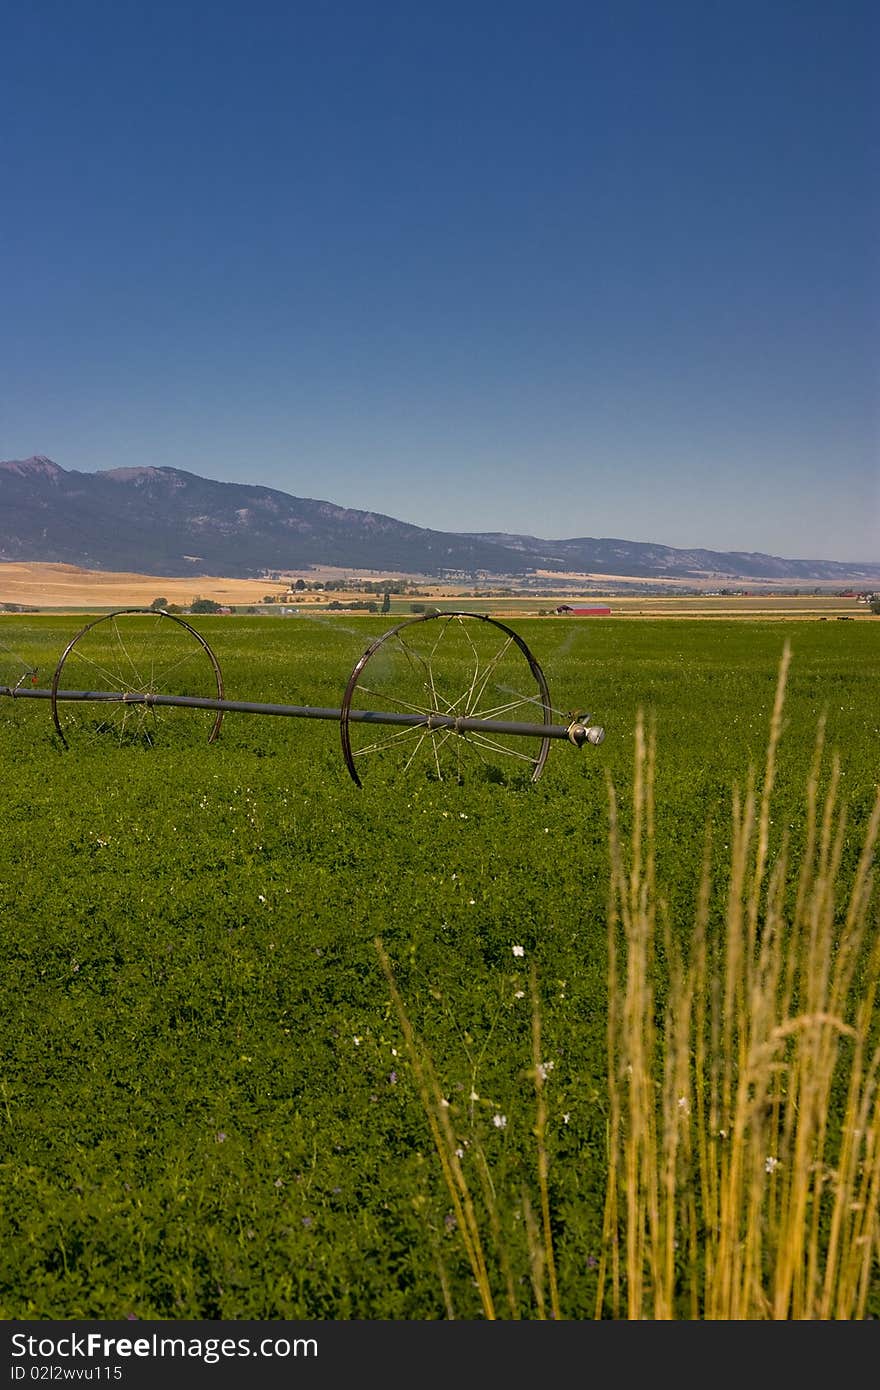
165	521
611	555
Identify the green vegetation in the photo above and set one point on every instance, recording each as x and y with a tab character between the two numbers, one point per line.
279	1047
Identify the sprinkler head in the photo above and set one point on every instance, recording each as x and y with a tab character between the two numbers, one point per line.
581	733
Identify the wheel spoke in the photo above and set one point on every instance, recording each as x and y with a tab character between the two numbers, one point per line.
505	750
415	731
126	655
391	699
481	680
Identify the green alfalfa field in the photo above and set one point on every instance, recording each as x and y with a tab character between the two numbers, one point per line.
276	1046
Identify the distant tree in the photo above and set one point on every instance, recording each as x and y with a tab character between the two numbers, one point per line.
386	603
158	603
875	605
204	605
300	585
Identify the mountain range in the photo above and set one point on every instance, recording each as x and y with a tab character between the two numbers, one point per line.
165	521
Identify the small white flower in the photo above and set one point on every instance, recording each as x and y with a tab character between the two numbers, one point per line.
544	1069
519	950
683	1105
566	1117
520	994
473	1096
356	1041
771	1164
459	1153
499	1121
261	897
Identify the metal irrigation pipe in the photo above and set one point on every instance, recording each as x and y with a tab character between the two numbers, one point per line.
576	732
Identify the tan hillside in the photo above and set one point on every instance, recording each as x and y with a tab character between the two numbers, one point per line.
67	586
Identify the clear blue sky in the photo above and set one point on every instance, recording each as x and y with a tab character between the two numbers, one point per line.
567	269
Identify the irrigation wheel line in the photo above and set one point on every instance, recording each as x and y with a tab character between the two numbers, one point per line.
470	689
135	655
453	680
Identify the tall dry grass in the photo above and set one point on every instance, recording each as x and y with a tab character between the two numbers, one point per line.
743	1155
744	1162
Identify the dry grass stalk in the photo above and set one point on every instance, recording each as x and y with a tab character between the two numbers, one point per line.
436	1110
547	1261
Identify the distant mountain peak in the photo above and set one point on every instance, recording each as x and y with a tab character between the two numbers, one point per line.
35	466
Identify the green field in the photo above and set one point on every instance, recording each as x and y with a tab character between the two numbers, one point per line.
206	1104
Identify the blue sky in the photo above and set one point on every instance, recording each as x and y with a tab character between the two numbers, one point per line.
561	269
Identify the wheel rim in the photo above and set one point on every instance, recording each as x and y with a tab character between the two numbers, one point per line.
129	654
451	664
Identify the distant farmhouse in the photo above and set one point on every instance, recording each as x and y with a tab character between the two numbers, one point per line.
567	611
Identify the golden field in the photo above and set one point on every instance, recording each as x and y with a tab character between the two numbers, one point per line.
56	587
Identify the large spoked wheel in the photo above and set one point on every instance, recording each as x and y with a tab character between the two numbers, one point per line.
457	666
108	675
